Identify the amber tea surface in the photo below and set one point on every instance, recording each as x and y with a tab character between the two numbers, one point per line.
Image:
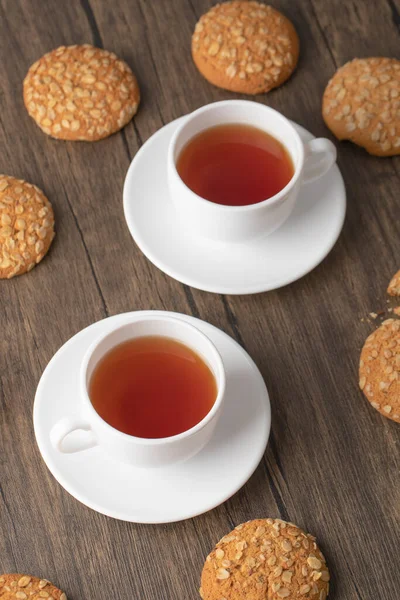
152	387
235	165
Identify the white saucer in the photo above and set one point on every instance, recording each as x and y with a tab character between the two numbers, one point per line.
165	494
227	268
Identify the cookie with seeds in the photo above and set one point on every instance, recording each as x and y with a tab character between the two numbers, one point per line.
265	558
81	93
361	103
380	369
15	586
245	47
394	285
26	226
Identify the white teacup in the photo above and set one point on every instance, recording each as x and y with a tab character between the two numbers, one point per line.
142	452
311	160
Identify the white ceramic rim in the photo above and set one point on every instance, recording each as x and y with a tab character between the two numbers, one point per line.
247	104
221	385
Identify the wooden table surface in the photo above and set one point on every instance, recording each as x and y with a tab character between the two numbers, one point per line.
332	463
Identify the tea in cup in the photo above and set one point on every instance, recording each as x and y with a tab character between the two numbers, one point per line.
151	390
235	169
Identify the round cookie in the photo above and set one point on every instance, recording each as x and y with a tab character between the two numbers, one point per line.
81	93
380	369
265	559
361	103
394	285
245	47
15	586
26	226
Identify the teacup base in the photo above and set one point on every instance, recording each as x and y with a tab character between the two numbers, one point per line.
165	494
257	265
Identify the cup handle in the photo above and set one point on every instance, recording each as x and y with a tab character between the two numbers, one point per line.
64	427
320	155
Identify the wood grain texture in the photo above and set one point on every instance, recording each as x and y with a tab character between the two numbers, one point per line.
332	464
